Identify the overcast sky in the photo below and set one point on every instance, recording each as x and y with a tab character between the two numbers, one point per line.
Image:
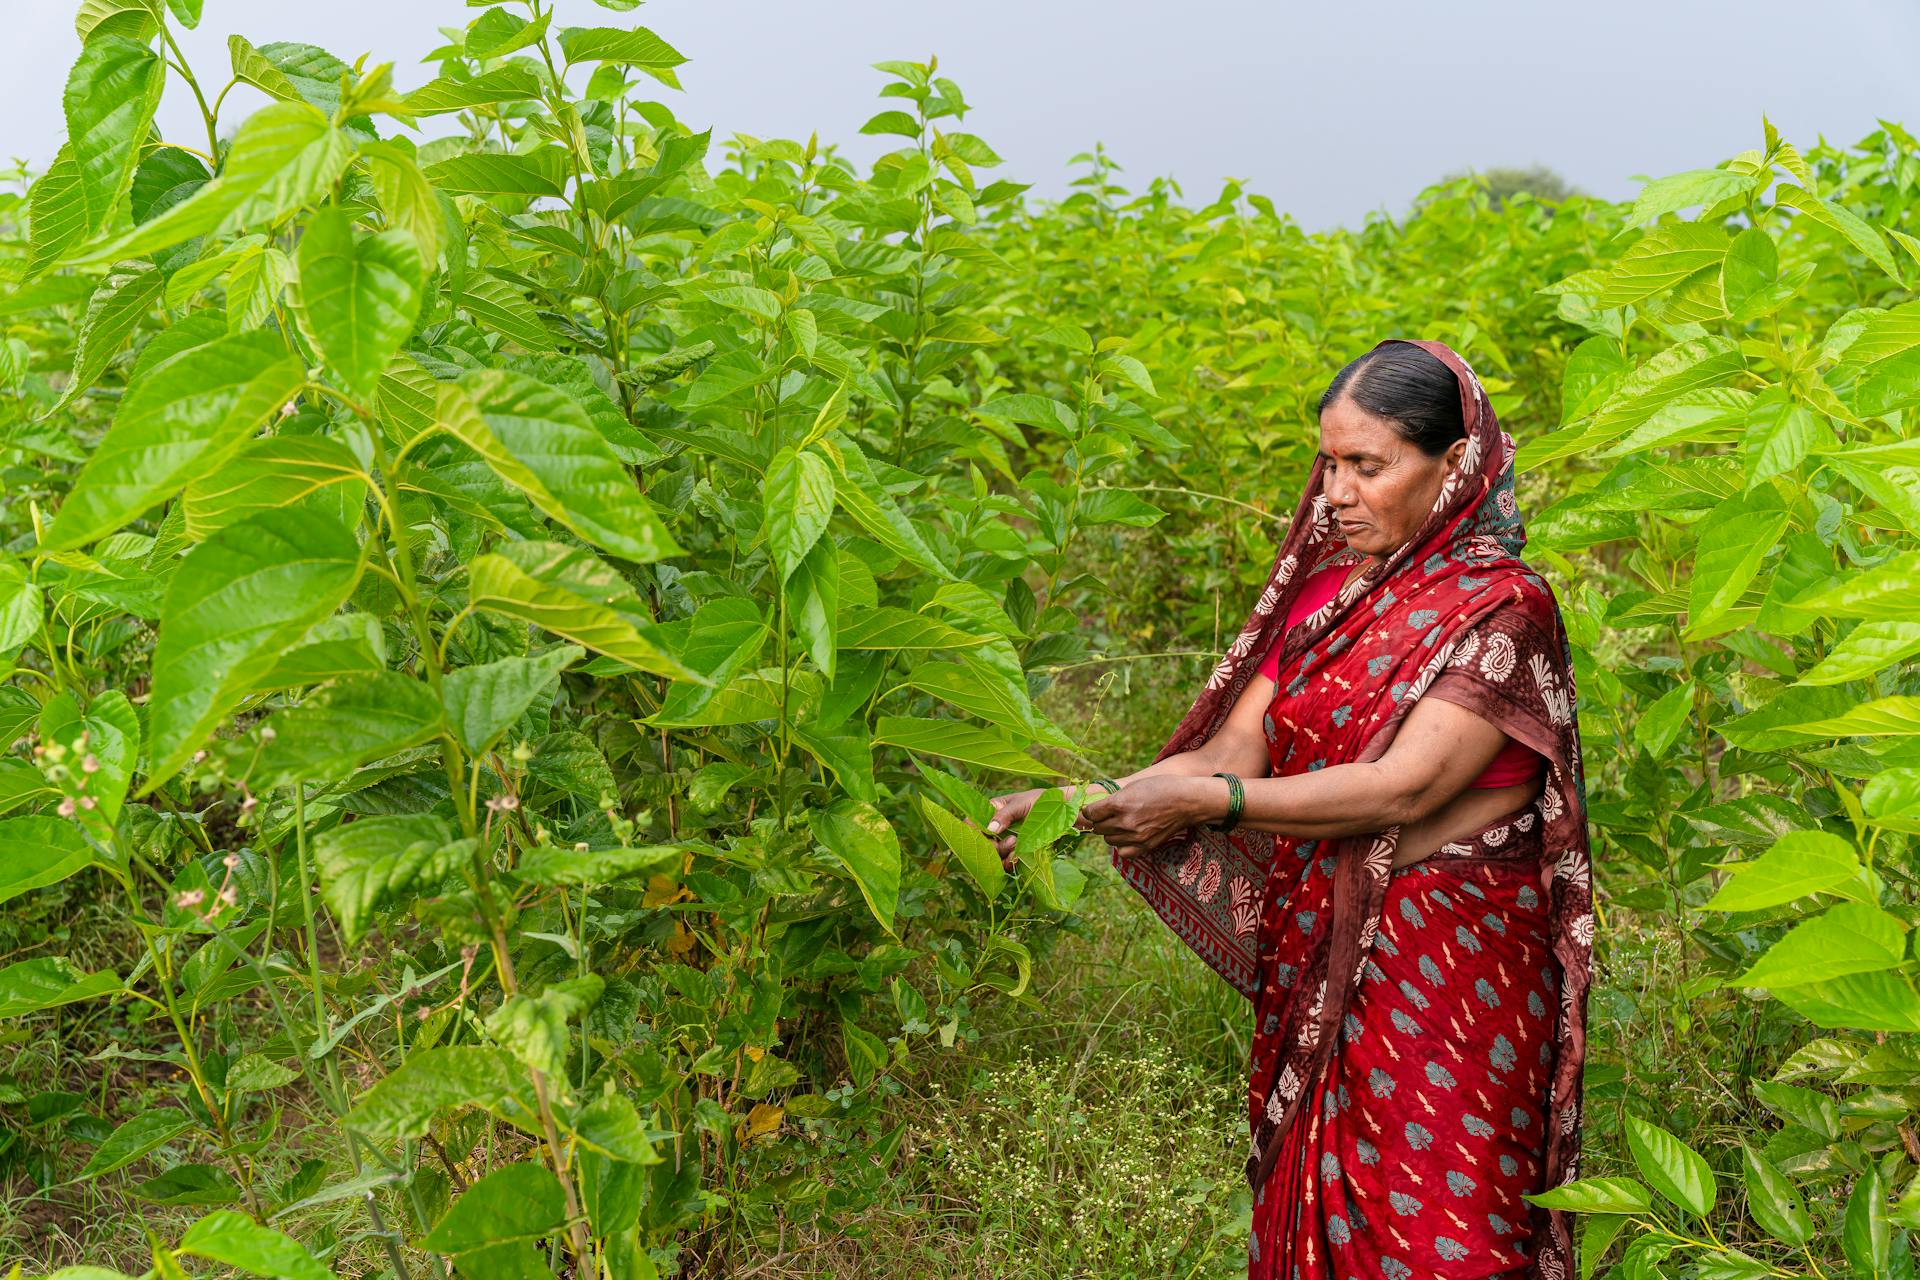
1333	109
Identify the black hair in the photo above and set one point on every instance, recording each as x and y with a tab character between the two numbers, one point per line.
1409	386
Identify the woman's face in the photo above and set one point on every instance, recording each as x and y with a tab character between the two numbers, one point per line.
1381	485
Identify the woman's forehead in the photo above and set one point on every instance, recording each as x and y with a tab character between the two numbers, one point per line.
1348	431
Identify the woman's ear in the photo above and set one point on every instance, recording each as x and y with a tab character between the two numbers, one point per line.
1456	451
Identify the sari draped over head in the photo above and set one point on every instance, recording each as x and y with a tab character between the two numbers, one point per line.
1372	1034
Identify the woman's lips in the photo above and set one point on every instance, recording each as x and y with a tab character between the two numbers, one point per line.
1348	526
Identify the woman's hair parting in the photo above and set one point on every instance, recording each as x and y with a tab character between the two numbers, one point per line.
1412	387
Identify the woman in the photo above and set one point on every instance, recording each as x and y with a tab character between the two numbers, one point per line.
1373	823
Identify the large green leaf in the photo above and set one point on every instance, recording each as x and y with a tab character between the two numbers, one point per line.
276	471
111	95
285	156
38	850
237	1240
569	592
958	741
1883	1000
1851	937
509	83
1869	648
1595	1195
117	306
536	173
813	605
357	297
1773	1200
1671	1167
485	701
431	1081
145	1132
860	836
183	417
798	498
373	860
1797	864
47	982
540	440
975	851
534	1028
553	865
519	1202
234	604
1734	538
352	722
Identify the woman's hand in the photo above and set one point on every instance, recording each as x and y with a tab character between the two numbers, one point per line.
1147	812
1009	811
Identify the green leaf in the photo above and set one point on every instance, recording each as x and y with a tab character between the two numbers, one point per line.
1809	1108
189	1184
116	307
958	741
898	630
569	592
1672	1168
1734	538
1890	587
541	172
39	850
1665	258
1880	1001
534	1028
110	98
285	156
509	83
1797	864
862	496
145	1132
373	860
610	1125
503	308
496	33
354	721
860	836
1851	227
540	440
1658	727
47	982
182	418
257	1073
235	603
519	1202
1033	411
403	1104
1685	190
1866	1235
553	865
357	296
483	702
975	852
1595	1195
276	471
57	210
798	496
250	66
813	605
722	639
1116	506
239	1241
1897	716
22	605
1891	799
634	47
1850	937
1779	437
1773	1200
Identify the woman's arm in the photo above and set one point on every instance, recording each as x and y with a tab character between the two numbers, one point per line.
1434	758
1239	747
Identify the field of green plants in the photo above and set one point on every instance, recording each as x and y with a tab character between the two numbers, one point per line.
510	605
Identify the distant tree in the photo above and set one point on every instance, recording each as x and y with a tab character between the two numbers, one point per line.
1538	181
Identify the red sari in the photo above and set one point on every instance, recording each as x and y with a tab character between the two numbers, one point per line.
1418	1033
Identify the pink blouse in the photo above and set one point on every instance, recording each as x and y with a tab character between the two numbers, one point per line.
1516	763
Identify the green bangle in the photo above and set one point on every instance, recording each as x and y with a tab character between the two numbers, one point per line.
1111	786
1236	803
